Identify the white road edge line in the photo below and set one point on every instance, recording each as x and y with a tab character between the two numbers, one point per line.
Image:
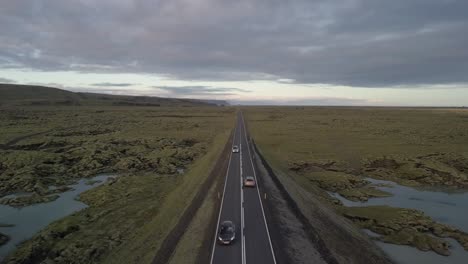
242	203
222	199
258	191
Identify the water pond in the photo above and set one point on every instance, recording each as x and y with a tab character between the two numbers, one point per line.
443	206
30	219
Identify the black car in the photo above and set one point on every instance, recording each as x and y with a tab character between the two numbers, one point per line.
227	232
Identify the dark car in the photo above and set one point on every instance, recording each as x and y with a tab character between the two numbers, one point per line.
227	232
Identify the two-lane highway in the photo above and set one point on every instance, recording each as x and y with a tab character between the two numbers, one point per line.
244	207
257	237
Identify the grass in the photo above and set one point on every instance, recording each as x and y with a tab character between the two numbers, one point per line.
363	193
126	220
81	142
423	146
335	148
189	246
150	236
406	227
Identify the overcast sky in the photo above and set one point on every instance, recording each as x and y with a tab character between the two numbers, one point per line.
333	52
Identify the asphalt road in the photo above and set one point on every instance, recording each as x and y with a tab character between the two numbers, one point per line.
244	207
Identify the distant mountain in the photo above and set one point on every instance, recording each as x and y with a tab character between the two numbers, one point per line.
216	102
13	94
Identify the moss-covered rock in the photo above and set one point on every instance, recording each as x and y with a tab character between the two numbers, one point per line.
432	170
145	142
3	239
336	181
35	170
363	194
406	227
21	201
92	182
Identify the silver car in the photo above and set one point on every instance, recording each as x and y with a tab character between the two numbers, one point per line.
235	149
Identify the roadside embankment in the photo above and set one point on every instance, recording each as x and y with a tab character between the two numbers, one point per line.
180	245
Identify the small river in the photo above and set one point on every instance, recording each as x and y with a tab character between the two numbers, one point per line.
29	220
449	208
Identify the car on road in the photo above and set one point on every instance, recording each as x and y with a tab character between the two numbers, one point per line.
227	232
235	149
249	181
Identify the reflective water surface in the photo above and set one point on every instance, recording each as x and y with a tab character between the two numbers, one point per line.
446	207
30	219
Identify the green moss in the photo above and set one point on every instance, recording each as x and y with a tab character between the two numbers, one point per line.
127	218
105	139
3	239
419	240
28	200
409	146
335	181
189	246
335	148
363	194
405	227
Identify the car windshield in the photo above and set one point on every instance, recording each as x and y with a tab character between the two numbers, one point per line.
226	230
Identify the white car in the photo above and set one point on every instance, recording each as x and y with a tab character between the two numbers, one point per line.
249	181
235	149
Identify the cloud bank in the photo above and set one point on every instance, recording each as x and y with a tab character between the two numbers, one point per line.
365	43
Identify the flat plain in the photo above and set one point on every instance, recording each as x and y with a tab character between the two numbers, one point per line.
160	155
334	149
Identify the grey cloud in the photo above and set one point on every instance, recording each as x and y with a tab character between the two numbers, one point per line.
370	43
108	84
200	91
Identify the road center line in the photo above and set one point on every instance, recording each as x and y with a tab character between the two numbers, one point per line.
258	191
242	200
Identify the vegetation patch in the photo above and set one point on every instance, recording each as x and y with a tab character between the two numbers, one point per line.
96	142
333	149
160	161
336	181
363	194
28	200
406	227
431	170
3	239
